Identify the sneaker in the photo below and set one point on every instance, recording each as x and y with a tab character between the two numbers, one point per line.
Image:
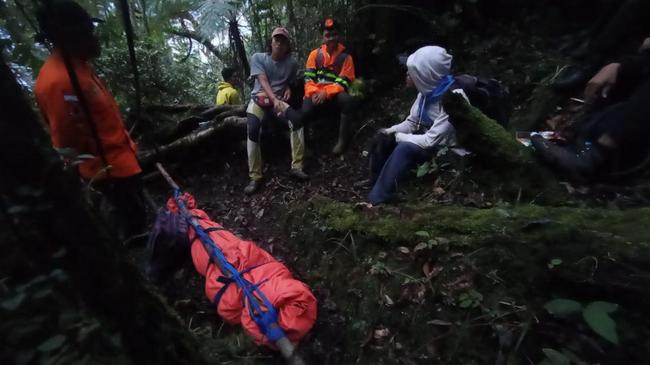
252	187
580	165
574	78
298	174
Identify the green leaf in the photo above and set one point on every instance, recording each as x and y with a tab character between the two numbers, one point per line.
562	307
554	262
52	343
424	234
423	169
556	357
466	303
596	314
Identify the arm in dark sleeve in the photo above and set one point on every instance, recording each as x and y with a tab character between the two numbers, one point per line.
635	68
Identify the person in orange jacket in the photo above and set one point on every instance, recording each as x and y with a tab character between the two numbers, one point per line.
88	124
328	75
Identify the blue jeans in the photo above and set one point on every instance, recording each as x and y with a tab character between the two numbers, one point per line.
404	158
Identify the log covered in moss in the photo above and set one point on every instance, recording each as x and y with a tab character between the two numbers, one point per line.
464	285
499	152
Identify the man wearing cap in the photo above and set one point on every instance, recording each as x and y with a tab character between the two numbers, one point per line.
273	71
328	75
87	120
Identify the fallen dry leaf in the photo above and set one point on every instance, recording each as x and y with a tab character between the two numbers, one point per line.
439	322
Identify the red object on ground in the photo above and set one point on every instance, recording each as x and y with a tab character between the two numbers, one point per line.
293	300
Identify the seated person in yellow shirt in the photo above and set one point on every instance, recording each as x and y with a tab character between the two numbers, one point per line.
227	94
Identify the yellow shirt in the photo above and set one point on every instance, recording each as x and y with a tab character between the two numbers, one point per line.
227	94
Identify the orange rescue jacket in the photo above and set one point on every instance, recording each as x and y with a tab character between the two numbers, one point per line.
330	73
69	128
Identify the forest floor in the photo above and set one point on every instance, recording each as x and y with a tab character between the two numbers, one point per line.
483	294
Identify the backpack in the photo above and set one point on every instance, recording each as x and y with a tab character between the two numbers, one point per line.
488	95
167	239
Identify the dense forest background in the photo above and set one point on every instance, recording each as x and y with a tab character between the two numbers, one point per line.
464	273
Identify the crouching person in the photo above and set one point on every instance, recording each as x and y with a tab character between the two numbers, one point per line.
273	72
424	131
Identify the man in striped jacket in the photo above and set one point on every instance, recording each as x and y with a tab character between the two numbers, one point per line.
328	75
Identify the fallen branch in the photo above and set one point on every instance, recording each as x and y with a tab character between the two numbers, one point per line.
484	136
175	108
147	157
499	150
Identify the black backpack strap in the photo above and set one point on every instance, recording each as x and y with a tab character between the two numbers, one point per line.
228	281
208	230
338	62
319	59
337	65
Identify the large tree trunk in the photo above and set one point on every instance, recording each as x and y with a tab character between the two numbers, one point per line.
44	208
233	29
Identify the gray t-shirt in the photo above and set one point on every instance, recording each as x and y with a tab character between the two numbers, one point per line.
279	73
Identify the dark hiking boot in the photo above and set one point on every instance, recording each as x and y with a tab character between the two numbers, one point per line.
574	78
253	187
580	165
298	174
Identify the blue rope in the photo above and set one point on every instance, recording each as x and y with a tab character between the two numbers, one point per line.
433	97
267	319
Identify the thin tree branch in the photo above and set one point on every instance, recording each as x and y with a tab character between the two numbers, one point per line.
199	38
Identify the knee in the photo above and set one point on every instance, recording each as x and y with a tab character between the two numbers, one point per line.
405	151
253	127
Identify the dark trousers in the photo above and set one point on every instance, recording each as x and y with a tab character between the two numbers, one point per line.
127	196
343	102
404	157
628	125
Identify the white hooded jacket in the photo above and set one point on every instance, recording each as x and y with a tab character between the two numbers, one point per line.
426	68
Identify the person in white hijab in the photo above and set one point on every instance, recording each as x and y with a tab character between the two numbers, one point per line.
427	127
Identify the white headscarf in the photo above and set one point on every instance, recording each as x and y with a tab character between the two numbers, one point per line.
427	66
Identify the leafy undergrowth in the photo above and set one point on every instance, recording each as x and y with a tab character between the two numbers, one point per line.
432	284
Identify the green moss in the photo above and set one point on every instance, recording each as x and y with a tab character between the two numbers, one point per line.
412	285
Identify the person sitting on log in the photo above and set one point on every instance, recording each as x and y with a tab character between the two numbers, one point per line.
227	94
328	74
424	131
273	71
610	141
82	115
